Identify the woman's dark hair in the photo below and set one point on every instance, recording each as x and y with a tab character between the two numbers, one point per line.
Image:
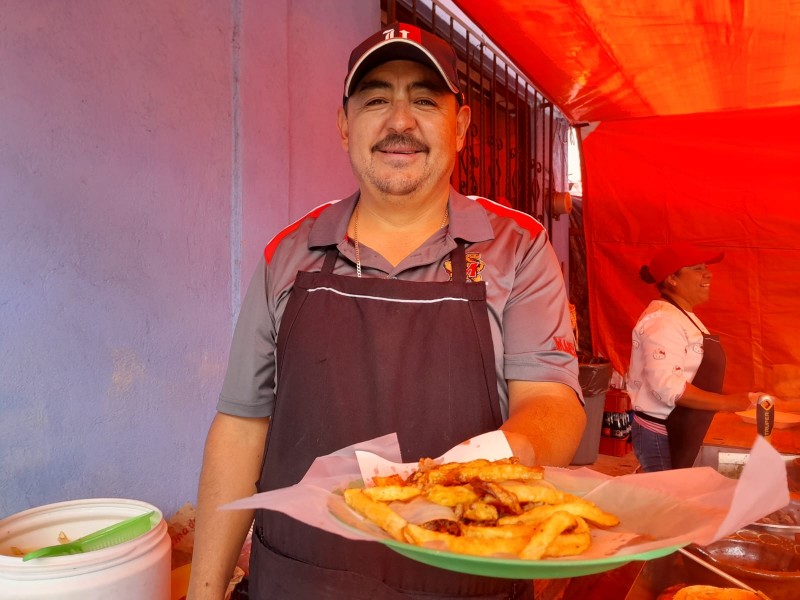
646	275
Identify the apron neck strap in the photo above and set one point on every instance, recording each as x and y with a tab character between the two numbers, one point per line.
675	304
330	260
458	258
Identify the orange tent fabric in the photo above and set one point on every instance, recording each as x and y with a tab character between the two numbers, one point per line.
727	180
604	60
692	118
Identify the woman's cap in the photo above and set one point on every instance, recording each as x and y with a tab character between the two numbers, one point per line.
675	256
401	41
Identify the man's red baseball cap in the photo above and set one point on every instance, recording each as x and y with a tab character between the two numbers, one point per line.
401	41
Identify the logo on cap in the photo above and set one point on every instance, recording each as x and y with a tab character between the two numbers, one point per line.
403	42
390	33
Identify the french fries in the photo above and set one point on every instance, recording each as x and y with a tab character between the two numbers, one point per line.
377	512
392	493
500	508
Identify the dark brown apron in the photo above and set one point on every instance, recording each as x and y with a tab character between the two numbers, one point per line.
687	427
356	359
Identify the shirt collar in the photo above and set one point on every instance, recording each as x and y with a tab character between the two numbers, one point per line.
468	221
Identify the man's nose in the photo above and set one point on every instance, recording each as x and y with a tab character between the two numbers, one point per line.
400	117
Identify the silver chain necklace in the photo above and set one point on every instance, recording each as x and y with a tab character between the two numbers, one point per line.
355	234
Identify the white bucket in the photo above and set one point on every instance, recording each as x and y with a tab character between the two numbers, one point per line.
135	570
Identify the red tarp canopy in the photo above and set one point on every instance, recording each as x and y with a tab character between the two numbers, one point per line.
692	114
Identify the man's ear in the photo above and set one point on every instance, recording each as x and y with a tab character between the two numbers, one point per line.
463	119
341	122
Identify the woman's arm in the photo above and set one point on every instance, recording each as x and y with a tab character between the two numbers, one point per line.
694	397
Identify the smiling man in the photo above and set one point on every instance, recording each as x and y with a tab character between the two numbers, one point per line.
404	308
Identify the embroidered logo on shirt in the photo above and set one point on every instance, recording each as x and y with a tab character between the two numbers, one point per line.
475	265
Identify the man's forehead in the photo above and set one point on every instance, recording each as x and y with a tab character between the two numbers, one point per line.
404	74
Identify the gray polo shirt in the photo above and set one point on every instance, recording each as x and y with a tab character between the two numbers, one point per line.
507	249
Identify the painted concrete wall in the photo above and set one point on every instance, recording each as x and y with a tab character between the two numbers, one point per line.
148	151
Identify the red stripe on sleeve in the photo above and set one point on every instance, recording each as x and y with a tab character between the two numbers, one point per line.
269	251
522	219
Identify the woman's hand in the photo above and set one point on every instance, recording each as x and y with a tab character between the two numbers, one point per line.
739	402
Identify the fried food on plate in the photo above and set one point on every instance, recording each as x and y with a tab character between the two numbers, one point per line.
505	469
573	505
479	512
464	545
547	532
377	512
499	508
449	495
392	493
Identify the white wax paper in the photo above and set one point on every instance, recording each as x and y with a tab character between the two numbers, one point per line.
656	510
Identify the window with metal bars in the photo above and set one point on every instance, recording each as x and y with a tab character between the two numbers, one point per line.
516	148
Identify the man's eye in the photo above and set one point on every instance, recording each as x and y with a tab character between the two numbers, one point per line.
374	101
424	102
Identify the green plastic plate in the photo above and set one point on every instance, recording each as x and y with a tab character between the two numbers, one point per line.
515	568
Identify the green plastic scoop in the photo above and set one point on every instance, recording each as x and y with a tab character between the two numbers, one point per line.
108	536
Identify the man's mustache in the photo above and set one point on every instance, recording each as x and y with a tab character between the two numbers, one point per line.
399	141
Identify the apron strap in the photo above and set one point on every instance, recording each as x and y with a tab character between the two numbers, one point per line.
458	258
330	260
675	304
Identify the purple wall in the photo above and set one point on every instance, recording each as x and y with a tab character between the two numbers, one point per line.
148	151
